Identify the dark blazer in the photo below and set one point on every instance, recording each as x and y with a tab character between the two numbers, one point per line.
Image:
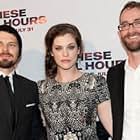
26	105
115	80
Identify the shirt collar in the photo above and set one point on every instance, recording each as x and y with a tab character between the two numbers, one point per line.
128	67
10	74
133	72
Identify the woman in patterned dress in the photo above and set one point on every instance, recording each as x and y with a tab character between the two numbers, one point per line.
70	99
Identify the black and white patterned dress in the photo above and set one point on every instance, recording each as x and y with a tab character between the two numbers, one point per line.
70	109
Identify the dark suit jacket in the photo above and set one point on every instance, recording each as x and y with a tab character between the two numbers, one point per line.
115	80
26	105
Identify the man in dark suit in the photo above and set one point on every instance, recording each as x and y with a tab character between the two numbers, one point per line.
19	114
124	79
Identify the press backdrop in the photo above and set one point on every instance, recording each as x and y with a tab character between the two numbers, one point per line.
97	21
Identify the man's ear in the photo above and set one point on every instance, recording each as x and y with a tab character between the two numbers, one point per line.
119	34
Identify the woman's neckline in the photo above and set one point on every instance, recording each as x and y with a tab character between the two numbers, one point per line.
74	80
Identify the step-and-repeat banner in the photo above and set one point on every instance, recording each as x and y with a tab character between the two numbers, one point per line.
97	21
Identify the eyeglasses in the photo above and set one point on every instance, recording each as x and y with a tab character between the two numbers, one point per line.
126	26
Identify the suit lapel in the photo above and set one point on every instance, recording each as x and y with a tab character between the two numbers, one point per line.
121	97
115	81
19	97
118	101
5	104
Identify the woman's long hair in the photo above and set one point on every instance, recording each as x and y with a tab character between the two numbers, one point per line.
53	32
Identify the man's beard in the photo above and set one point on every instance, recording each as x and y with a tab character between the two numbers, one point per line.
132	46
6	64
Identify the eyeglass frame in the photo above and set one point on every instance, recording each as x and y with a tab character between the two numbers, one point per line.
135	24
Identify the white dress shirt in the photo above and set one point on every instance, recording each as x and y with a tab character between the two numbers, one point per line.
131	125
10	75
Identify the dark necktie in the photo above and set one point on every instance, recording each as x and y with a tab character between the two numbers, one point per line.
12	99
8	85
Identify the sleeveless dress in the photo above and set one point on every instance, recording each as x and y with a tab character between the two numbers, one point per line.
70	109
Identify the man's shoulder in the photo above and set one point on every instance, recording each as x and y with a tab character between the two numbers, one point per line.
25	79
119	66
